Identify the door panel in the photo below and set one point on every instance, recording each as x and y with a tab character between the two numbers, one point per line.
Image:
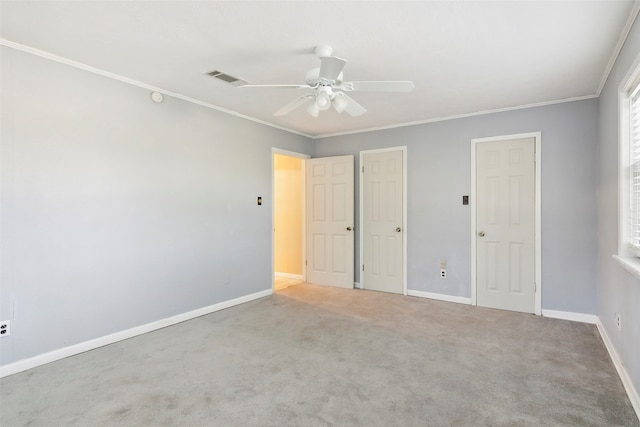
505	220
330	221
383	228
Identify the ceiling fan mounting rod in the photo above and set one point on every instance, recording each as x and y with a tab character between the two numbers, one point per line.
322	51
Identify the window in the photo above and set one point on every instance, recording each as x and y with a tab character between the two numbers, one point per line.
629	169
633	236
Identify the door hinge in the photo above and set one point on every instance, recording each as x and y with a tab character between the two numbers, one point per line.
306	262
363	169
535	287
362	267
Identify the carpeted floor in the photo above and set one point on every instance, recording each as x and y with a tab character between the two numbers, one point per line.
280	283
316	356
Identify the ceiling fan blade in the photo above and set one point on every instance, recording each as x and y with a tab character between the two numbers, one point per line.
331	67
388	86
293	105
281	86
353	108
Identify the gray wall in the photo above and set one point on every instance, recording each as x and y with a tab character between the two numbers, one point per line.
117	212
618	290
439	157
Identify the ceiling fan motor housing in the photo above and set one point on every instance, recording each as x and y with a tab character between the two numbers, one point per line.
312	78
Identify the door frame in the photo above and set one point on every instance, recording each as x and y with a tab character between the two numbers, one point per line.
403	149
537	136
302	156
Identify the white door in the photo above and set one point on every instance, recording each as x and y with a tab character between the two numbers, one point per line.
505	224
382	221
330	250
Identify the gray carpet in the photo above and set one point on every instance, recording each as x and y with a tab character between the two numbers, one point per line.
316	356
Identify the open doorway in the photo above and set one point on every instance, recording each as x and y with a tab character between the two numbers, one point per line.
288	219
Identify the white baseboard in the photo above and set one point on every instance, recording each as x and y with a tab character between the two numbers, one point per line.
439	297
357	285
622	373
567	315
288	275
52	356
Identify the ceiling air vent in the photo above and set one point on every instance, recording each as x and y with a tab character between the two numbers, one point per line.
233	81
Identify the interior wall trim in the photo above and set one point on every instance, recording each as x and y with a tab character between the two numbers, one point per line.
288	275
439	297
72	350
567	315
458	116
127	80
616	51
634	397
104	73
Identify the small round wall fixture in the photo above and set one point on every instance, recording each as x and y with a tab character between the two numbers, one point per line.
157	97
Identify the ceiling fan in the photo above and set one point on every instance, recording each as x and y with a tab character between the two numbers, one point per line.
329	87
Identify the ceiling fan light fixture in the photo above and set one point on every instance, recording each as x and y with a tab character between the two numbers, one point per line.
339	104
313	109
323	101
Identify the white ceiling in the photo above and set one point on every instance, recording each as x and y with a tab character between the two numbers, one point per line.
463	56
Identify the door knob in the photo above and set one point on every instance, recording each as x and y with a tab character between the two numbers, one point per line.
398	229
349	228
481	234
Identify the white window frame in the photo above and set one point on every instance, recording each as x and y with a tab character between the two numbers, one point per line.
627	255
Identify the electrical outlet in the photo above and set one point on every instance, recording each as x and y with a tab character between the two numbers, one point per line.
5	329
443	273
618	322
